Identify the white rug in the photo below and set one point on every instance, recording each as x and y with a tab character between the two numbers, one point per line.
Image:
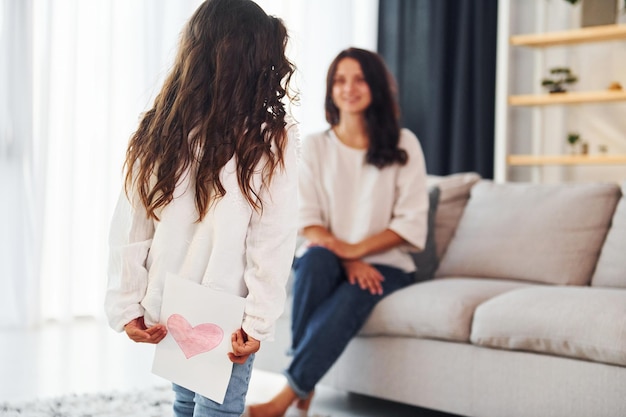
149	402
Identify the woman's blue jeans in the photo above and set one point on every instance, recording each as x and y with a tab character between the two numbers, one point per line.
189	404
327	312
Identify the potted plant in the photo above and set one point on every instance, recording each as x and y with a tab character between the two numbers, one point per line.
572	139
558	77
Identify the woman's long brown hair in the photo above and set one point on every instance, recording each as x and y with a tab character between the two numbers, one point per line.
382	115
222	98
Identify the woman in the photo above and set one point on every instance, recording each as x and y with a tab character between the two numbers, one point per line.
363	207
210	188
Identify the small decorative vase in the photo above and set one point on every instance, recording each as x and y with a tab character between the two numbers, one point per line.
598	12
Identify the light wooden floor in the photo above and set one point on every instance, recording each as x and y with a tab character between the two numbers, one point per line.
87	356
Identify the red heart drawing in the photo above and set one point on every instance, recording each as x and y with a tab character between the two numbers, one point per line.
194	340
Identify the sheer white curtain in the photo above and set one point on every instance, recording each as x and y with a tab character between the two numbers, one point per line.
319	30
74	77
19	247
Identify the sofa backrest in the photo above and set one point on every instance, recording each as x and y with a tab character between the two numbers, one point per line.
611	268
532	232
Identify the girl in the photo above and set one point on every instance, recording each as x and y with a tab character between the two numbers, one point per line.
363	205
210	188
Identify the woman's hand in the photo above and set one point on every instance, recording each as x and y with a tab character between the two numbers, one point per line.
380	242
365	275
342	249
138	332
243	347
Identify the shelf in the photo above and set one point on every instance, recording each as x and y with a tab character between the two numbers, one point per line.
571	97
566	159
508	128
568	37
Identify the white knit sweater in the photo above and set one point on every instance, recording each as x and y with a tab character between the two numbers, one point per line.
234	249
355	200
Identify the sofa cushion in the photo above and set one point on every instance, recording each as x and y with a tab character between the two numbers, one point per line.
611	268
437	309
454	193
578	322
427	261
533	232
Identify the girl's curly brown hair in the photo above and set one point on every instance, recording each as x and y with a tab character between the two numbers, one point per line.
223	98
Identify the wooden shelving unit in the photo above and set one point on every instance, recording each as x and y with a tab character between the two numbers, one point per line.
616	32
530	160
570	97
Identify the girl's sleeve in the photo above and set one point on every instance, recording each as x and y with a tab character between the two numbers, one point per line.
410	213
130	238
270	247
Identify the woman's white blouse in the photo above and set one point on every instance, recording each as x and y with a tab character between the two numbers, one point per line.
234	249
355	200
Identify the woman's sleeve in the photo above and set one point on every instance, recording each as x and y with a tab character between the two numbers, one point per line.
310	212
130	237
270	247
410	213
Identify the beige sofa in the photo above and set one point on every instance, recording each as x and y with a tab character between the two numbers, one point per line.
526	314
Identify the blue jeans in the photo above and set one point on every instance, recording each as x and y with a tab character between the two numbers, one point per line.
189	404
327	312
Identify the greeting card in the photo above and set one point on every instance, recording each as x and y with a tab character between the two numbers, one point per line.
200	322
